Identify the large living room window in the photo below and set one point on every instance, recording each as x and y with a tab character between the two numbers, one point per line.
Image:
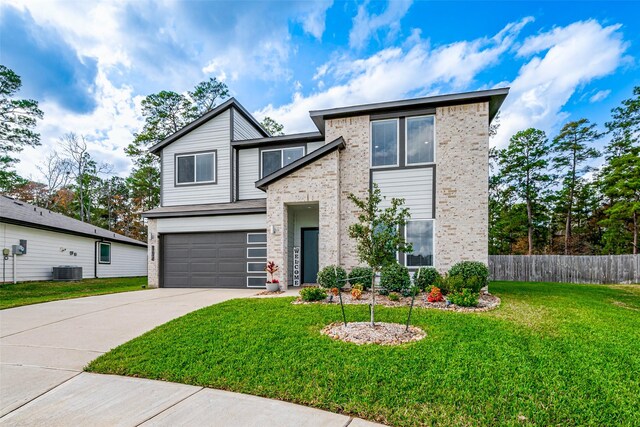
384	143
275	159
197	168
420	234
420	139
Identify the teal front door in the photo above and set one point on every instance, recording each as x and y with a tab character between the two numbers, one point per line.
309	255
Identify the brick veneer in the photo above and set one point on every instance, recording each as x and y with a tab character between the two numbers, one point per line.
462	174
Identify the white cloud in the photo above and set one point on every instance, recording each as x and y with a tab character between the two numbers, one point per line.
314	21
366	25
395	73
570	57
599	95
108	129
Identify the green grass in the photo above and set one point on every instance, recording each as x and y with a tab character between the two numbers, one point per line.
552	354
25	293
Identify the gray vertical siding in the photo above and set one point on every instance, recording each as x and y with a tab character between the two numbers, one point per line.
566	268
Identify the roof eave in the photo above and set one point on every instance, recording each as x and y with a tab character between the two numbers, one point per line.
211	212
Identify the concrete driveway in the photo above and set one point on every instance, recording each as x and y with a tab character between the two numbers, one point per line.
44	347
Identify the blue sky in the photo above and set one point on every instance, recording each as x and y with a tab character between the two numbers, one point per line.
91	63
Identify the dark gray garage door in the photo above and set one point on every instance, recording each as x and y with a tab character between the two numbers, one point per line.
233	259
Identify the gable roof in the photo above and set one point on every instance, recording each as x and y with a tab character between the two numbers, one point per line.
336	144
495	97
231	102
13	211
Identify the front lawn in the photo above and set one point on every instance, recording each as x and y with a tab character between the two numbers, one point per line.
552	354
25	293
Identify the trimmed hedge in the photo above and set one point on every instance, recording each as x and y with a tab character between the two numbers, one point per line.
361	275
425	277
474	274
395	278
332	276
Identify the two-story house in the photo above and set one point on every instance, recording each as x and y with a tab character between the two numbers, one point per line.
233	196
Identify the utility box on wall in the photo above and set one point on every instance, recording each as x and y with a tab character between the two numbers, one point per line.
20	249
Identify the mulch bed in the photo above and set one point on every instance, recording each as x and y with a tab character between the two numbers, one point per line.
382	334
270	293
486	302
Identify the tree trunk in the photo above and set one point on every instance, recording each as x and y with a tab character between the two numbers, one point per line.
530	226
567	230
373	297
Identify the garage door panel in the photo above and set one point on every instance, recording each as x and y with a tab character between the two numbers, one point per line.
207	260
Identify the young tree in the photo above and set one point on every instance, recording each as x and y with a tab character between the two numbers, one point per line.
378	234
624	126
524	170
274	128
18	118
572	149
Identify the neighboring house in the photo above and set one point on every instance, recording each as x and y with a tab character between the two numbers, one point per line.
232	196
54	240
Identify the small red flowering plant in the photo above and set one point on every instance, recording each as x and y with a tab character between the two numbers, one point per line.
435	295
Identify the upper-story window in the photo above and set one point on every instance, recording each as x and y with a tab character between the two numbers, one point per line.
420	139
197	168
272	160
384	143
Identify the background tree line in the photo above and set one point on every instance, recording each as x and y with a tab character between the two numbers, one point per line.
546	197
73	182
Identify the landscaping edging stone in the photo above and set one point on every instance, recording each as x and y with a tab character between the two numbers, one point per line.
486	302
383	333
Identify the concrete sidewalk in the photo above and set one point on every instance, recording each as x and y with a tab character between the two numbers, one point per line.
44	347
106	400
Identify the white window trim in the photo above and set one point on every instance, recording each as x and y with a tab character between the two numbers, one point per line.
281	150
433	244
255	262
398	142
194	155
256	243
256	257
406	141
100	253
257	277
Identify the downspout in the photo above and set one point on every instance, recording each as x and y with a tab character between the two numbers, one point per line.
14	269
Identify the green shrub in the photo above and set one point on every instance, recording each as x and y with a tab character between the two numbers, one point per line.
474	274
425	277
395	278
394	296
361	275
465	298
449	284
383	291
332	277
313	294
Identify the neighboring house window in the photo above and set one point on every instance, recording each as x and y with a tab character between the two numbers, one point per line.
420	234
420	140
104	253
384	143
196	168
272	160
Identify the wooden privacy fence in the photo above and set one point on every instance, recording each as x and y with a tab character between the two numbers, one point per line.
566	268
